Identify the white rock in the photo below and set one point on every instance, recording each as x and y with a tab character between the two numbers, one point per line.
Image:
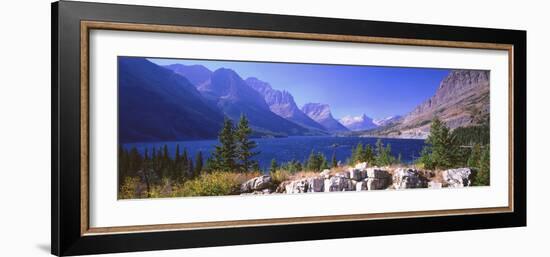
256	184
377	183
408	178
377	173
357	174
460	177
338	183
305	185
343	174
360	186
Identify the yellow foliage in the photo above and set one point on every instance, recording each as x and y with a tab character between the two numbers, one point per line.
280	176
213	184
128	190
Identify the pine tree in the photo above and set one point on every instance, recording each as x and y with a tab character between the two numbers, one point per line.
475	157
333	162
210	164
483	176
273	167
323	162
359	154
122	165
190	167
443	148
184	164
255	166
177	158
225	154
368	155
134	162
313	162
245	145
198	164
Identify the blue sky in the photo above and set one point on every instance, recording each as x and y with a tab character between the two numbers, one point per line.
349	90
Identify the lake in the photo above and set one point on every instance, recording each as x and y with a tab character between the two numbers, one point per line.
294	148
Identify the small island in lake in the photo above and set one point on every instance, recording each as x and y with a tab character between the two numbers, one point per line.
212	128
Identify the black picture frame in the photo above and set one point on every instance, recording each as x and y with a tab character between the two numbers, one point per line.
66	237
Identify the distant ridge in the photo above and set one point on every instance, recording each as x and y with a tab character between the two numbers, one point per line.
321	114
282	103
156	104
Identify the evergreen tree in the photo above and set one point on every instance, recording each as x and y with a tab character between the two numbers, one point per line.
190	167
357	154
255	166
368	155
177	158
273	167
245	145
426	158
134	162
475	157
210	164
164	162
122	165
444	151
323	161
483	175
225	154
198	164
313	162
334	162
184	164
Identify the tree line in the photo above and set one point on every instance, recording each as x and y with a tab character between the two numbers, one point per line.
233	153
462	147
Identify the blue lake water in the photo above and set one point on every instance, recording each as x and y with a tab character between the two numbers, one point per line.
294	148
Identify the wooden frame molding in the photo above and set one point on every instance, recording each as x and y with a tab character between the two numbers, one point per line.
87	26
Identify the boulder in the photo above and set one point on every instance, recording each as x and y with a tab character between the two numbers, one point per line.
361	186
343	174
404	178
377	173
338	183
461	177
256	184
316	184
377	183
282	187
357	174
305	185
361	166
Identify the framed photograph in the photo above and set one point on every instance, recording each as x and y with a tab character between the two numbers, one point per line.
178	128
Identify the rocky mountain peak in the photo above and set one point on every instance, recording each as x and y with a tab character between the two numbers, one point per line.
282	103
321	114
357	123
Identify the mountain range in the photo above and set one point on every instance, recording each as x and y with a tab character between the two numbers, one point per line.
322	115
461	100
282	103
155	104
183	102
358	123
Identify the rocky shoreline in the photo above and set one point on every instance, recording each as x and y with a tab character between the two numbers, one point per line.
360	178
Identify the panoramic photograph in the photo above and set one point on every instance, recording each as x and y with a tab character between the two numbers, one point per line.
190	127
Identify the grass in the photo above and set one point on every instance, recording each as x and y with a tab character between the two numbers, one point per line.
212	184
